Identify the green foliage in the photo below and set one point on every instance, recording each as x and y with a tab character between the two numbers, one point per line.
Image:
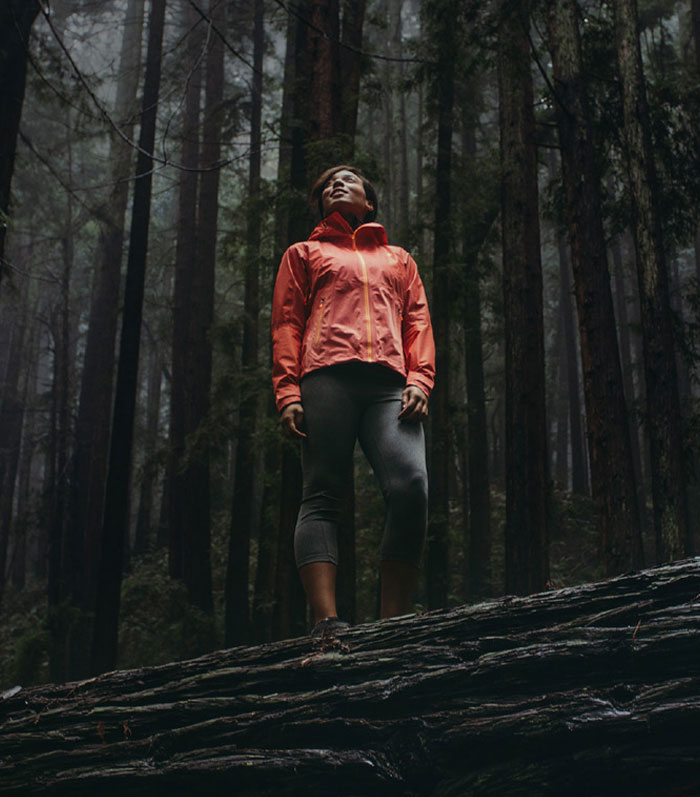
23	638
157	622
574	541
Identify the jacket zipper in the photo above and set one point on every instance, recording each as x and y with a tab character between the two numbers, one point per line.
366	287
320	322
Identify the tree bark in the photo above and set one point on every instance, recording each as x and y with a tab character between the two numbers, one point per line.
247	464
12	411
104	650
186	464
625	343
579	468
324	103
583	690
663	404
475	228
16	20
287	604
527	478
442	19
579	471
200	311
351	71
610	453
143	533
91	431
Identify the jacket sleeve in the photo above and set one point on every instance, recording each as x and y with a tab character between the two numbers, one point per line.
417	332
288	322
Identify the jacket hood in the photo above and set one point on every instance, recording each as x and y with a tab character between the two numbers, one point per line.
336	228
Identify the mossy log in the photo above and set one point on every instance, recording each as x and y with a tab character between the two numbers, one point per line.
589	690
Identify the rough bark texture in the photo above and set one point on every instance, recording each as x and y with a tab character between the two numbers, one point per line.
526	536
584	690
612	473
663	403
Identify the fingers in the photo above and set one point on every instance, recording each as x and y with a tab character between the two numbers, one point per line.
414	405
292	419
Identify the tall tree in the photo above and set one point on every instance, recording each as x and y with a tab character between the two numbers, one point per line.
246	472
610	453
144	516
477	217
16	20
64	570
291	224
663	404
351	70
12	410
91	431
441	17
114	526
185	465
527	525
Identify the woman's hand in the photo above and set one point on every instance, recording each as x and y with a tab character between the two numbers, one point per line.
414	404
291	419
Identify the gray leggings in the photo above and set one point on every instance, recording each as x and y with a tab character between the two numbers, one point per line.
359	401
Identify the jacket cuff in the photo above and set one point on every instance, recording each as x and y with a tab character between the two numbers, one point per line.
287	398
425	383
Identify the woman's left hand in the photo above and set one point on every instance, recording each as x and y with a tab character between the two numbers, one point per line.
414	405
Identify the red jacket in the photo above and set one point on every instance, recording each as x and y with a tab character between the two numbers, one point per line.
347	296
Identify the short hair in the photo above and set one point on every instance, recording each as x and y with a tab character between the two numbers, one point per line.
316	196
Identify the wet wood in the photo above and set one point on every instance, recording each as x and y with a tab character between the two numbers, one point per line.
591	689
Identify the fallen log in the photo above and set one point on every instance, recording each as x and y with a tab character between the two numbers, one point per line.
584	690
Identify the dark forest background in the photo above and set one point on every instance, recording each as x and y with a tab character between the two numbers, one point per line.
541	160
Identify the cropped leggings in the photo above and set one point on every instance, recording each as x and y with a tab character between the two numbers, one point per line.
359	401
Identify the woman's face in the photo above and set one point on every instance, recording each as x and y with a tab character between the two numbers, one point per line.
345	193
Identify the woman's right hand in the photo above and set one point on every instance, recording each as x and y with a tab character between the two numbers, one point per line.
292	418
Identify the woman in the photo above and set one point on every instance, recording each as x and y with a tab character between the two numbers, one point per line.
353	358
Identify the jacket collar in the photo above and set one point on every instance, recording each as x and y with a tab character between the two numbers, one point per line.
336	228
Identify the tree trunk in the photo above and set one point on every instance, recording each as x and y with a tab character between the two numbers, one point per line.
143	534
610	453
583	690
442	18
16	20
293	222
289	616
350	71
663	404
579	471
91	432
104	651
527	478
197	346
262	613
695	22
25	502
475	229
246	473
12	411
185	464
324	103
625	343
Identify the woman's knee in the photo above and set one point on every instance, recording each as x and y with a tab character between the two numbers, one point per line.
409	491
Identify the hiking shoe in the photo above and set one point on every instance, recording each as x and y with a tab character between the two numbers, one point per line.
331	626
